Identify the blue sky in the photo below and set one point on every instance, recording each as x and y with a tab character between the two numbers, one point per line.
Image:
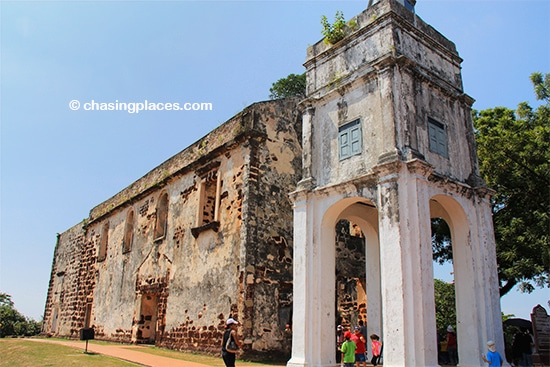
57	164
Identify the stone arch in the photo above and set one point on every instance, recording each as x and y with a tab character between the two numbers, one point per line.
364	213
161	217
128	231
446	207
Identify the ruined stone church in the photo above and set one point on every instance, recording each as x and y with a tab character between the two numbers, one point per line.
298	216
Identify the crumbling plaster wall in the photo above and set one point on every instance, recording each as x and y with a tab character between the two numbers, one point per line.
275	168
242	268
70	283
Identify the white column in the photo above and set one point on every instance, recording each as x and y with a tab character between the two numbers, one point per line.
406	271
301	341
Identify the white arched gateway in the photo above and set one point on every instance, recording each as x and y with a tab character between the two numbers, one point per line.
387	145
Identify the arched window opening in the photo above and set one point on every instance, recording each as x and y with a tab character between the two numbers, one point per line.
128	232
103	241
209	200
162	217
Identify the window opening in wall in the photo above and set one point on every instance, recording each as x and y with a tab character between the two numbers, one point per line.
128	232
162	217
209	202
350	140
102	254
438	137
209	188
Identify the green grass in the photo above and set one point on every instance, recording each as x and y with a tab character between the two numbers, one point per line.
26	353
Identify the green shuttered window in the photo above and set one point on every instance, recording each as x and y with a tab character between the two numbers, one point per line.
350	140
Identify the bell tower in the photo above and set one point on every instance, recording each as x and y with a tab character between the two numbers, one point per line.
388	144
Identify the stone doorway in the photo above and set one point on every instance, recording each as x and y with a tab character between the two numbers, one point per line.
147	324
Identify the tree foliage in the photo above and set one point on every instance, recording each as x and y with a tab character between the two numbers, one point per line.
14	323
441	241
514	156
291	86
542	86
445	310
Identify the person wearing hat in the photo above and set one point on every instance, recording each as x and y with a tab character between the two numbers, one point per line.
493	357
452	347
229	335
348	350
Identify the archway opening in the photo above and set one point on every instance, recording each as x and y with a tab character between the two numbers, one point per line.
351	296
356	271
457	252
444	292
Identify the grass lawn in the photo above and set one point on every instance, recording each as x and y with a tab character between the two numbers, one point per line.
26	353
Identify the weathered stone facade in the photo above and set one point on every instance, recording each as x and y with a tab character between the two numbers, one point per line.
385	144
205	236
388	145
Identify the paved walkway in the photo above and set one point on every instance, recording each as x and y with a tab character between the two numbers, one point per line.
130	353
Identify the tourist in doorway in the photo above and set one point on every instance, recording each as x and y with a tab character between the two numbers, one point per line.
452	347
229	335
376	347
348	350
493	357
339	341
361	351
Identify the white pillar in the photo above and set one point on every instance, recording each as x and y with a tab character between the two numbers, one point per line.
406	269
301	341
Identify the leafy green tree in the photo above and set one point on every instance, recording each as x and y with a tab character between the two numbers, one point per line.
5	300
542	86
445	310
291	86
14	323
514	156
441	241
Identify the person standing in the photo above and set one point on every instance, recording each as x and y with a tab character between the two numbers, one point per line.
230	333
339	341
376	346
348	350
492	358
360	352
452	347
527	344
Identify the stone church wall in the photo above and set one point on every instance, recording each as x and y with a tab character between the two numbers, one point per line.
205	236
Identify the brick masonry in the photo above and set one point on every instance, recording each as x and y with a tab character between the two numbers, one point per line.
225	250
